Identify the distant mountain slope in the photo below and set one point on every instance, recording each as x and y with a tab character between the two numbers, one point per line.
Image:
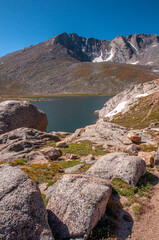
68	63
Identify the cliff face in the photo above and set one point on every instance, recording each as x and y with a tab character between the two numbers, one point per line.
131	49
68	63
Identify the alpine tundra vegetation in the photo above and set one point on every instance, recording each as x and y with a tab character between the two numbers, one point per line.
100	182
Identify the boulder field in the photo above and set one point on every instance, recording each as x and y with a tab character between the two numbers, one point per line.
76	202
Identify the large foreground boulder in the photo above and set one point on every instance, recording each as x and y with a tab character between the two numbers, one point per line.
22	211
16	114
119	165
76	203
20	142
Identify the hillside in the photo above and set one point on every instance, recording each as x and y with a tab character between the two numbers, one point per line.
136	107
69	64
142	114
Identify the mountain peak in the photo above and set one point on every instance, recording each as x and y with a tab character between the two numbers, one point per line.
66	63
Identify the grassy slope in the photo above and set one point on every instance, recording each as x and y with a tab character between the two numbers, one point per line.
143	113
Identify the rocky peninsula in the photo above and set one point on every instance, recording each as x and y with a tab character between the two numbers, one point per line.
96	183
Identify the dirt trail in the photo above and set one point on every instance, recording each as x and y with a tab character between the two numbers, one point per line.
148	114
147	227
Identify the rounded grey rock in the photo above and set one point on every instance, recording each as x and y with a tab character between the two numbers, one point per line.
23	214
16	114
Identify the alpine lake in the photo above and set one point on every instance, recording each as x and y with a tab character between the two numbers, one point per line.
70	113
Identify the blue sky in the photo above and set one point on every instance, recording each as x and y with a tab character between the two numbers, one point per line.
27	22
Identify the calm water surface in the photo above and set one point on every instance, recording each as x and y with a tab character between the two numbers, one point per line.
69	113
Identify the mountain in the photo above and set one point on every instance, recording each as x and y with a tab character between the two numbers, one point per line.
67	64
132	49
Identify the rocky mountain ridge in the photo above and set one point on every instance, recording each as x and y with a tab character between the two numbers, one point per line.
69	64
131	49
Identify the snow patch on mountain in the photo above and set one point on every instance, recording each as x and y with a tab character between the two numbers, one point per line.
82	48
117	110
134	63
132	46
142	95
149	63
99	59
110	56
154	45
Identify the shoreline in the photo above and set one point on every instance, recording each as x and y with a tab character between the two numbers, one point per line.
37	97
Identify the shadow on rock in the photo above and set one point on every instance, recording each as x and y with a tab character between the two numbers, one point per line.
116	223
148	178
59	229
124	221
125	225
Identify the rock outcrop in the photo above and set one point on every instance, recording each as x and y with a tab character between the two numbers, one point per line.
119	165
132	149
51	153
148	157
16	114
134	137
74	168
20	142
62	144
123	100
108	134
76	203
23	214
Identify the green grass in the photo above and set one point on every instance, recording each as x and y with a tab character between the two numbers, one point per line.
123	188
105	229
141	114
66	164
145	184
81	148
51	182
147	148
40	173
143	188
50	172
44	198
137	209
84	148
19	161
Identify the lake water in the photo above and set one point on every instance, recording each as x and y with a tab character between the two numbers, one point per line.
69	113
